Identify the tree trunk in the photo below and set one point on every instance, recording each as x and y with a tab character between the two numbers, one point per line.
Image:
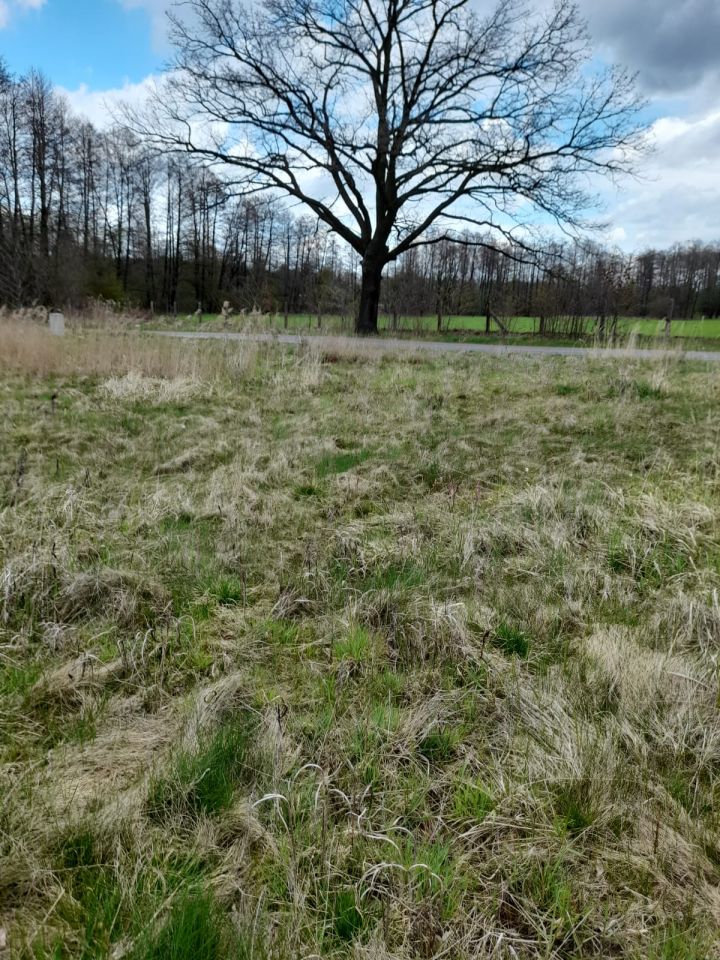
366	322
149	266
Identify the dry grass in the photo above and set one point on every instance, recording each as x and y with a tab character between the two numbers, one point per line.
356	656
134	365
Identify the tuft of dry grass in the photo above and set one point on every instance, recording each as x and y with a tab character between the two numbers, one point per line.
356	656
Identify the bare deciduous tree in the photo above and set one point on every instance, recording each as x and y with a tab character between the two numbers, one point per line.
388	117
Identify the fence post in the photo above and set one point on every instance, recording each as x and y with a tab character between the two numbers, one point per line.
668	317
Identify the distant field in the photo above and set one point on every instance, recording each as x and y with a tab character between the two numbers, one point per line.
686	329
356	657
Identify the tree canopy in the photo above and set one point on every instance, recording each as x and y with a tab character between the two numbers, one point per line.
396	122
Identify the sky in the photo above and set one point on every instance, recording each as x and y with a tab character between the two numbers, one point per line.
98	52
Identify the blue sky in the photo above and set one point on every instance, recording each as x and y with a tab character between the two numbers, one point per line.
101	43
98	52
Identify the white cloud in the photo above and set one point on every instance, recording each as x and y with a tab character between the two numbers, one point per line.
9	7
678	198
616	236
101	106
157	11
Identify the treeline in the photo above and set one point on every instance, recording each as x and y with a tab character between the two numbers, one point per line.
562	285
95	214
87	213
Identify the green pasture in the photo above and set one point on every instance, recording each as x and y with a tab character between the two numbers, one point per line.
703	329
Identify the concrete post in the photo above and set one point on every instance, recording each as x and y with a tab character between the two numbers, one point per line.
57	324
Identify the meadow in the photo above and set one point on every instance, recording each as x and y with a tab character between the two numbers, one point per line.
698	333
319	654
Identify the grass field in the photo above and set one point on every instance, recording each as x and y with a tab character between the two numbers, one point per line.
309	655
525	327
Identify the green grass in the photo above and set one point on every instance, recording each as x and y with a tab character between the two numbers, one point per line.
196	929
227	591
675	943
454	325
546	887
95	888
205	780
472	801
347	918
439	746
113	898
574	805
355	645
373	656
332	463
17	678
512	641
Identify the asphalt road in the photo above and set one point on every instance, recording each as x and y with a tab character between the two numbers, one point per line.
439	346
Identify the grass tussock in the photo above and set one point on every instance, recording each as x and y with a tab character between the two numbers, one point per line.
204	780
356	656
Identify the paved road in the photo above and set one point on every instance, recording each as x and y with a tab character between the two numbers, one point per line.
439	346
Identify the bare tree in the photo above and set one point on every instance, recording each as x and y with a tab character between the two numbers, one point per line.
388	117
147	171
